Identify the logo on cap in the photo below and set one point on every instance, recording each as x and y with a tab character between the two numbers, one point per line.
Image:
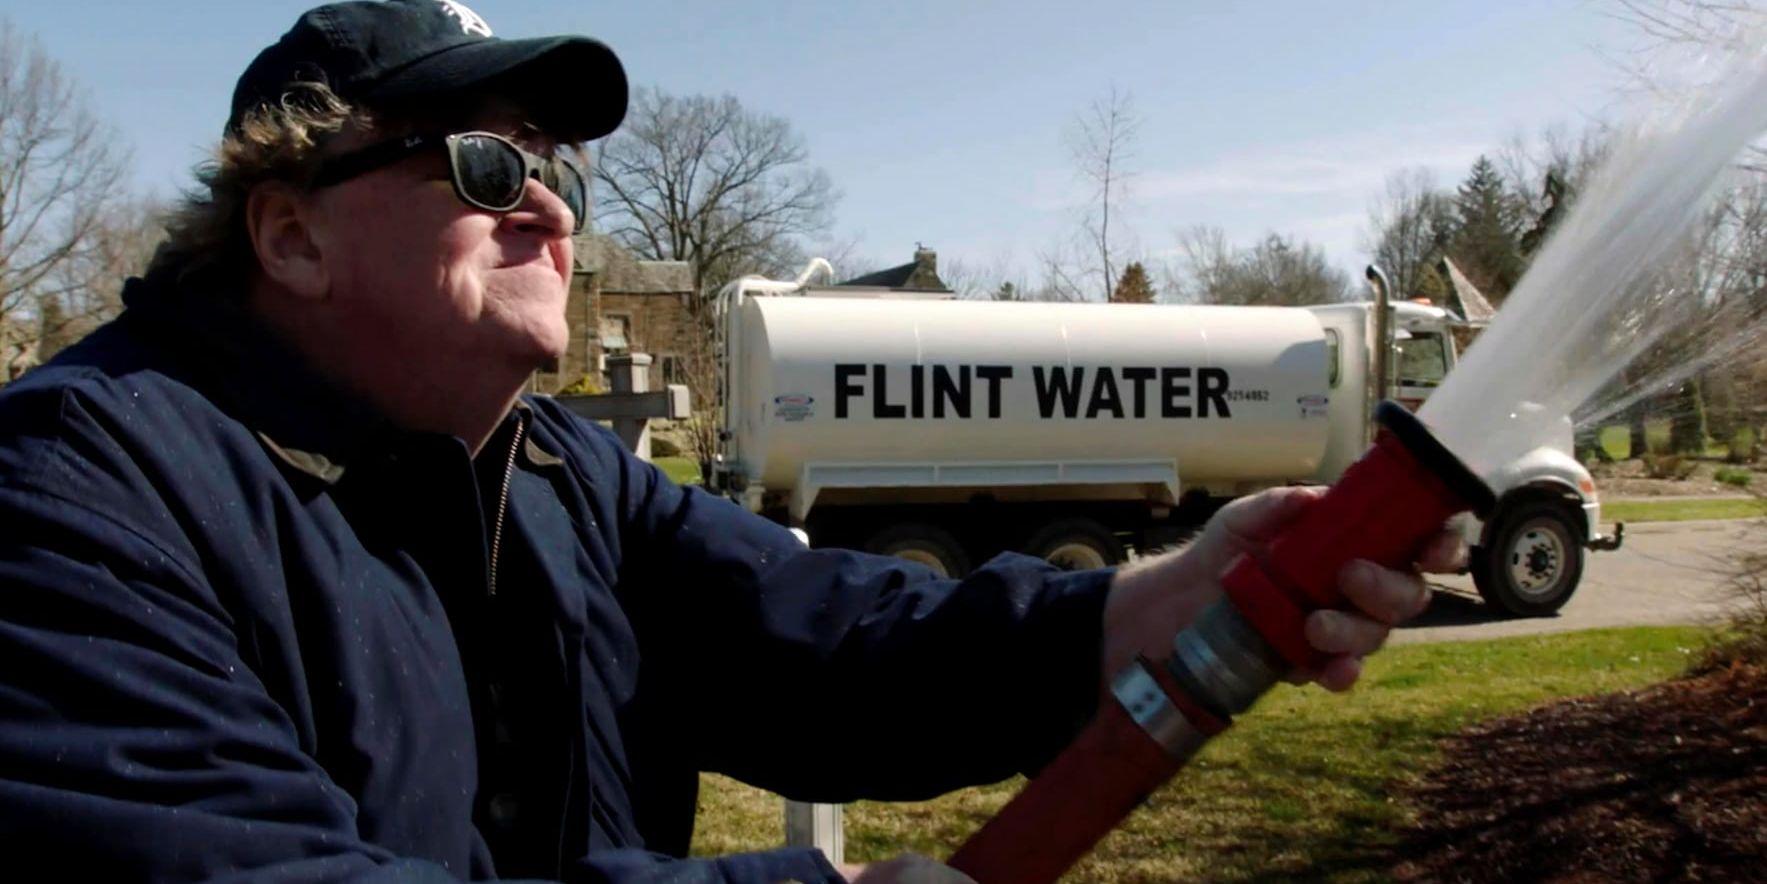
470	22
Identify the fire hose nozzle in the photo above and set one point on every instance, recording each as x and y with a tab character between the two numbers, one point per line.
1385	507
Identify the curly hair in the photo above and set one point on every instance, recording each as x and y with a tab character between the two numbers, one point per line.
206	231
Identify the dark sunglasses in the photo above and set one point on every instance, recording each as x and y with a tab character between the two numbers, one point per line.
489	171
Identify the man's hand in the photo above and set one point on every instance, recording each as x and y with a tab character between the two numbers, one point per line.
906	869
1151	601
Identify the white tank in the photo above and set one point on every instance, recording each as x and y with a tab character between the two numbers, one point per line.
1227	394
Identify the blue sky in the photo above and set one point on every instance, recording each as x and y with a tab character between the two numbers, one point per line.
942	122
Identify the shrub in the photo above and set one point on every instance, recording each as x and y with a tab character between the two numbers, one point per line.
1734	476
587	385
1745	446
664	446
1743	637
1668	466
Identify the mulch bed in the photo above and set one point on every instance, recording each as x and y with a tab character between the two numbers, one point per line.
1668	783
1627	479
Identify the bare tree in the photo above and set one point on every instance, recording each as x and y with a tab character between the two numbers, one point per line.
1277	271
1408	229
1205	261
1532	168
60	173
1713	293
89	289
1698	23
997	279
703	179
1064	276
1689	30
1102	141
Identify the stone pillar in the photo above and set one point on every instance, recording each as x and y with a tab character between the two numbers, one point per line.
631	374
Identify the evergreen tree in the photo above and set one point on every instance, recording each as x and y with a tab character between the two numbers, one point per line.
1687	426
1134	287
1637	434
1485	241
1432	285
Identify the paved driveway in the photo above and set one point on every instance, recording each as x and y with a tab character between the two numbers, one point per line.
1667	572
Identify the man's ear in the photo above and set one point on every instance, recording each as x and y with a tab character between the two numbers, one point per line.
280	220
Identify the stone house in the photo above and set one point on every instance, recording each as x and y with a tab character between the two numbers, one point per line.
619	303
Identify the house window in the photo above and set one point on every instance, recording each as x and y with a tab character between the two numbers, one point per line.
674	370
613	337
615	334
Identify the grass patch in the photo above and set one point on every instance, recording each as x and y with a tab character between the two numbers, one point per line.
1301	786
1683	510
683	470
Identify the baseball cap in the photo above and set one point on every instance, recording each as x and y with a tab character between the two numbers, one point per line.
383	53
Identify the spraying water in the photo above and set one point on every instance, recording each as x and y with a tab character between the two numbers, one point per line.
1591	302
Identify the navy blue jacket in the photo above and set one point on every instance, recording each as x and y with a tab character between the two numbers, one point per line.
249	629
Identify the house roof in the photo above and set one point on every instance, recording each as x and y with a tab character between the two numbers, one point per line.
622	272
1473	305
893	278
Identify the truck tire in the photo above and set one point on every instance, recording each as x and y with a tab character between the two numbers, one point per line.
1075	545
929	545
1533	562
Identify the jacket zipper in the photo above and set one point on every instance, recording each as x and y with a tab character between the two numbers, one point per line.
515	444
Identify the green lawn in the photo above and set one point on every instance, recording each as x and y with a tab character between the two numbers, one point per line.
1683	509
1304	785
684	470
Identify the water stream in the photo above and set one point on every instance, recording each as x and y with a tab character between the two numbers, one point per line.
1594	297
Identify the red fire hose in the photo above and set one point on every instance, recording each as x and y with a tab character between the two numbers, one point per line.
1384	509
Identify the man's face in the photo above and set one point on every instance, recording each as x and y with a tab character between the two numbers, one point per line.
443	287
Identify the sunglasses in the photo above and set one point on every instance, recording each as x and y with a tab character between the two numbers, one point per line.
489	171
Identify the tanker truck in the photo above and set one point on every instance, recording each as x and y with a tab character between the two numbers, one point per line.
946	431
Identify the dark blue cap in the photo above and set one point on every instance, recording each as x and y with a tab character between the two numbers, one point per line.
411	50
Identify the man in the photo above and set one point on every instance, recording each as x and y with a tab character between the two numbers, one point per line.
295	585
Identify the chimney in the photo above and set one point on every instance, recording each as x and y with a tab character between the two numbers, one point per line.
926	270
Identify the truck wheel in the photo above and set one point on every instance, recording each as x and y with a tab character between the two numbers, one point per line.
929	545
1075	545
1533	563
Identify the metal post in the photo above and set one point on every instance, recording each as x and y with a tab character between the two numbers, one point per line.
631	374
822	826
816	825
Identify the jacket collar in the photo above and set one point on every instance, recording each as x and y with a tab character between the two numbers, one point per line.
307	423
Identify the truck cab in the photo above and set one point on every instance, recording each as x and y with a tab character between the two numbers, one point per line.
1528	557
